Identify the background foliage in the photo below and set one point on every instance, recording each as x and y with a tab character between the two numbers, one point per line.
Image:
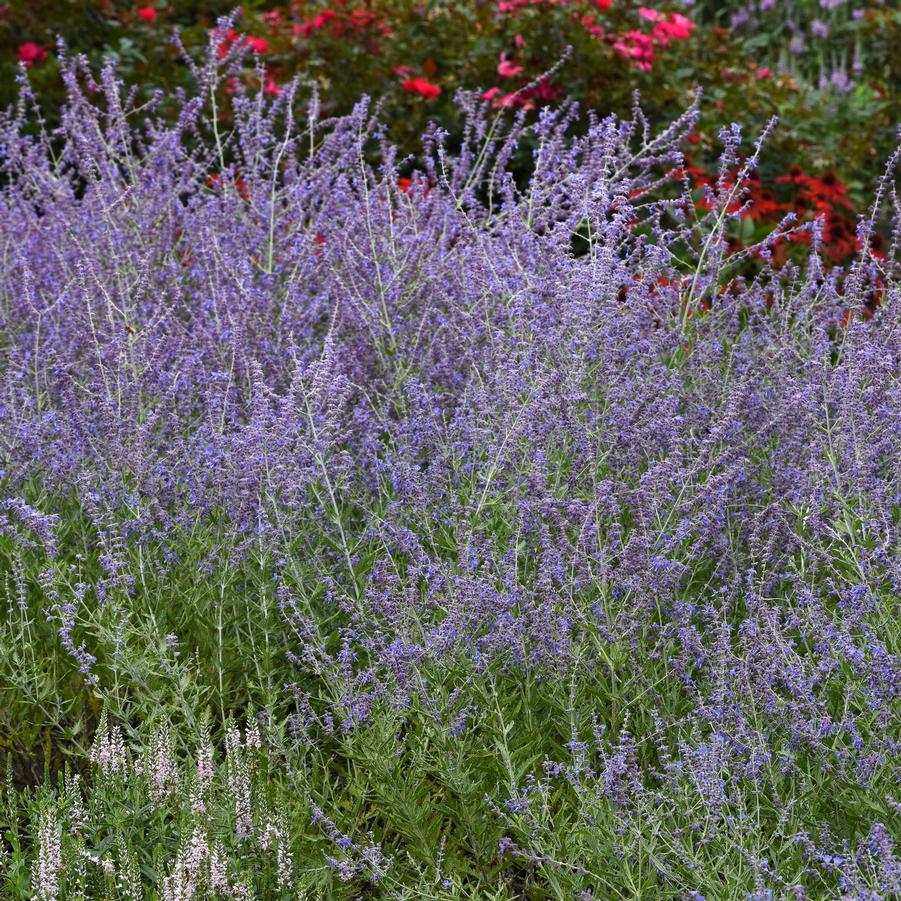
829	71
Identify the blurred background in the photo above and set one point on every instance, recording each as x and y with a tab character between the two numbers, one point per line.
829	69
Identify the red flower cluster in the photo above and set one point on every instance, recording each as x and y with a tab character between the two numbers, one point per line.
820	197
421	87
524	99
31	53
668	27
813	196
216	181
820	193
234	39
511	6
507	68
147	14
308	26
405	185
341	21
641	49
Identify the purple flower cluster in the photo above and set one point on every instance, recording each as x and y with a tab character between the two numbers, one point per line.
480	426
829	27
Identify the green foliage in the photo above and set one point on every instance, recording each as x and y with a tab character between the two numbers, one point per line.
405	806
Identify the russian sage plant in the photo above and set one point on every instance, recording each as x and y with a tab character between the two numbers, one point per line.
551	549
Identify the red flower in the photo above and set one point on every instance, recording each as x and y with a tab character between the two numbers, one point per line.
422	87
363	18
876	246
216	181
588	23
544	90
830	189
507	68
522	99
675	28
765	207
405	185
257	45
226	40
31	53
323	18
147	14
638	47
